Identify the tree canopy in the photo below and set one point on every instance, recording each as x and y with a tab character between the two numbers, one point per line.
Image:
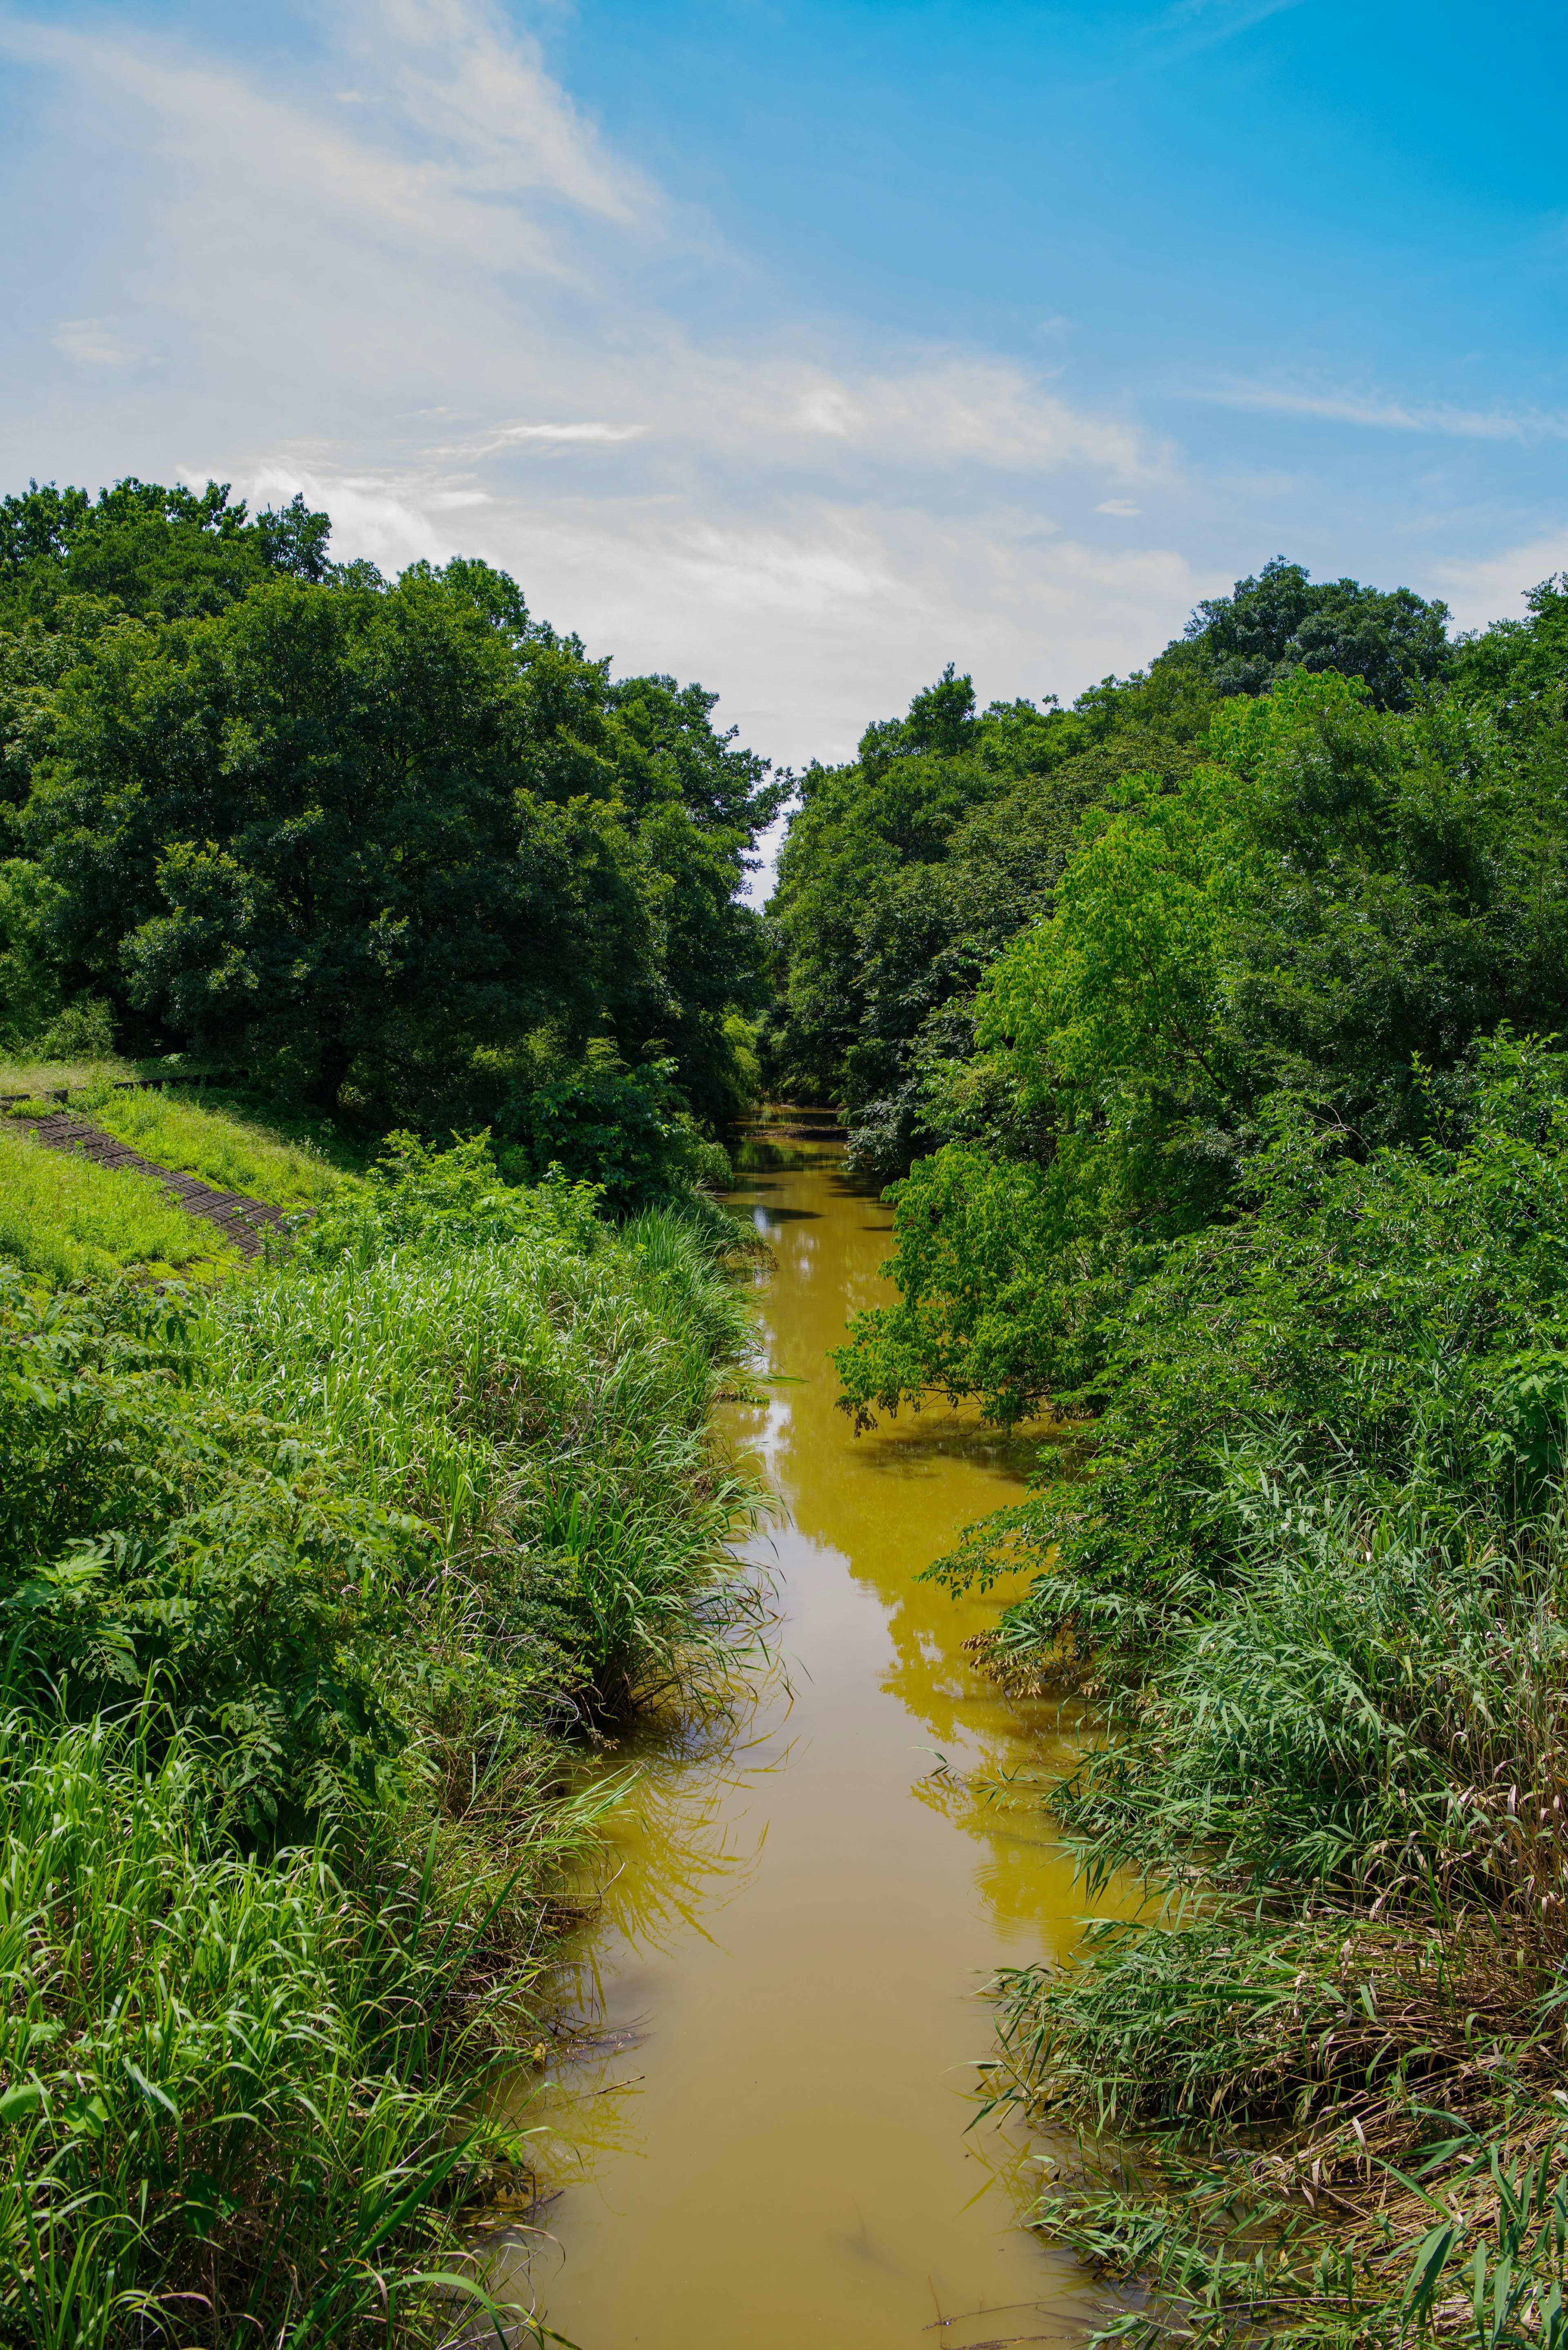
395	836
1332	898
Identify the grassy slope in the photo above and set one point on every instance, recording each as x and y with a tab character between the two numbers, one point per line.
63	1220
396	1509
233	1149
30	1077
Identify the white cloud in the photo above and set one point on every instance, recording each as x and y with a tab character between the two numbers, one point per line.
476	87
1122	507
86	340
1493	586
463	128
513	433
957	406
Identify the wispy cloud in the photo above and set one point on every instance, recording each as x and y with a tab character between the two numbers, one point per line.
457	129
418	286
90	342
1392	415
518	436
475	87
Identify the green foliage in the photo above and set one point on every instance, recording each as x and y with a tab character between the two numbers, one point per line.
1395	1327
1335	908
30	987
1281	621
152	1530
172	553
536	1388
302	1584
1309	1553
1521	667
1251	1185
359	836
239	2096
903	876
624	1132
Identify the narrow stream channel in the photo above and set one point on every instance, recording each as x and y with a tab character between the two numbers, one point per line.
764	2141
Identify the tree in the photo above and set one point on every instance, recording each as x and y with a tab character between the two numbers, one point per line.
175	553
1282	621
405	832
1335	908
344	827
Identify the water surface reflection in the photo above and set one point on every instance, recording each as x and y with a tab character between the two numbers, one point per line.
763	2141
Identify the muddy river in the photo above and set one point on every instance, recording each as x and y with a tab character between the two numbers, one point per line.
764	2141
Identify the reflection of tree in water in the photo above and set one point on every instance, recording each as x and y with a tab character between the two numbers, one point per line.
670	1863
670	1856
931	1676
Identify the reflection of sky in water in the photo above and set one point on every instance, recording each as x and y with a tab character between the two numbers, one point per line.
761	2137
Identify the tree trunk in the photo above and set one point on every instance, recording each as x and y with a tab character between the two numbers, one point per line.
331	1070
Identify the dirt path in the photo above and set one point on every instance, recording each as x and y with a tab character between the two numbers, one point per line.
239	1219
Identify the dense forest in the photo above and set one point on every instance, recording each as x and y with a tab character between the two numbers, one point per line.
1212	1029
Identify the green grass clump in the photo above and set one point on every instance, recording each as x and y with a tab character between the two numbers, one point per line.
225	1147
238	2100
538	1387
64	1220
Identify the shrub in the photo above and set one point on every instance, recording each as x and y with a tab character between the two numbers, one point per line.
623	1130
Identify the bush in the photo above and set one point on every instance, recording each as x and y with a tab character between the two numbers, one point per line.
623	1130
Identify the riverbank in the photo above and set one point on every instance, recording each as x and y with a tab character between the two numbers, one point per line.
1308	1561
310	1581
756	2119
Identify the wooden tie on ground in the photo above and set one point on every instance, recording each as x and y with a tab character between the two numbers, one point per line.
237	1217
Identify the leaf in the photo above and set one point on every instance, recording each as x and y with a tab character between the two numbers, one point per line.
17	2104
149	2089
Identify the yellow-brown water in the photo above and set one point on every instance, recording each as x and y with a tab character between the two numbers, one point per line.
764	2142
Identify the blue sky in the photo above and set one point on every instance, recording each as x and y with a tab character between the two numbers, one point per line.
802	348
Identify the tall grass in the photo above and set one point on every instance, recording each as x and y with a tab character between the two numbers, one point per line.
307	1579
542	1397
239	2102
1313	1562
63	1220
